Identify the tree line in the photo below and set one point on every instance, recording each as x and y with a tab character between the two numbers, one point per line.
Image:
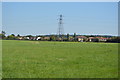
66	37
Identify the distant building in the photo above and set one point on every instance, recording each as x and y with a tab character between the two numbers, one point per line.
38	38
102	39
71	39
46	38
93	39
59	39
81	38
20	38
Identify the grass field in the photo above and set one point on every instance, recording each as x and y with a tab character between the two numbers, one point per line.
37	59
0	59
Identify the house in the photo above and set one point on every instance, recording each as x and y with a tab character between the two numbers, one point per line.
71	39
30	38
102	39
20	38
93	39
81	38
59	39
46	38
38	38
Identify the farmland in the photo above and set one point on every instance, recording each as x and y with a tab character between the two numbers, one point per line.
43	59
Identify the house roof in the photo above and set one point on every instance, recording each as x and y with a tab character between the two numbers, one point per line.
102	38
46	37
92	38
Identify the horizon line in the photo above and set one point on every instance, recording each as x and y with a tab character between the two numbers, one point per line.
66	34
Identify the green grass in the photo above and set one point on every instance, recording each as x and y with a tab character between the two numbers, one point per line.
0	59
37	59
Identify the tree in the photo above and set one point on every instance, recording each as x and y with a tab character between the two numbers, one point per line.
11	37
2	35
114	40
29	36
3	32
68	36
18	35
74	36
52	38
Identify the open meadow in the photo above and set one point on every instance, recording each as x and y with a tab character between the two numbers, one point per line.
43	59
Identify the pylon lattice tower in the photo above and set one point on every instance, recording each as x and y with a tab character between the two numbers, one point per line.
60	27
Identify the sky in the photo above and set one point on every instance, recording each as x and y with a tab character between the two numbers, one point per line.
35	18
